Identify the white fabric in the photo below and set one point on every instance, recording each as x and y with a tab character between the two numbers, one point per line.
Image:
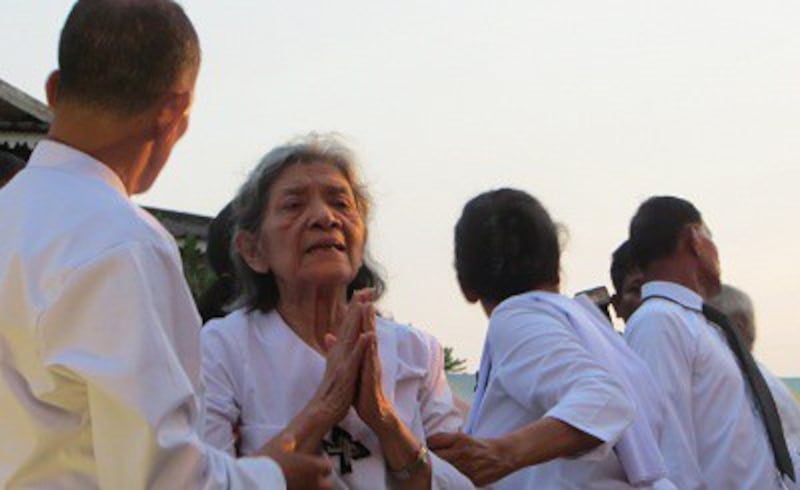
692	362
533	366
789	410
260	374
682	468
99	343
637	448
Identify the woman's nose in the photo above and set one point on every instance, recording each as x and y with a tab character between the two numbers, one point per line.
322	215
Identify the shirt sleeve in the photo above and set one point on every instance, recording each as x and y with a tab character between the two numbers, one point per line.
122	332
439	414
663	343
222	410
541	364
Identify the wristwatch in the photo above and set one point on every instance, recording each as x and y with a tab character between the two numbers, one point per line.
422	460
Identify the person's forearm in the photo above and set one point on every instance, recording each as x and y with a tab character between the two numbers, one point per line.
546	439
308	428
401	449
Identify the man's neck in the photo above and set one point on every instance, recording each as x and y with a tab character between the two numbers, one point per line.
676	271
119	144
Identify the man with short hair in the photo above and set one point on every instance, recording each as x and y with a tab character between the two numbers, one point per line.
99	338
738	307
627	279
694	352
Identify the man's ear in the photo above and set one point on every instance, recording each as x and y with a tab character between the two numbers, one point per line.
51	88
689	239
173	110
247	246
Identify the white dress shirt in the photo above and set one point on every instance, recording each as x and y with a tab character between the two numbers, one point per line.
99	341
789	410
260	374
538	367
691	360
683	471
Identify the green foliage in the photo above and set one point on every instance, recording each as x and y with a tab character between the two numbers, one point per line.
453	364
195	266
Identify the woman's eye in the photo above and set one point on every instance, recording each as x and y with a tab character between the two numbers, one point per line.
291	205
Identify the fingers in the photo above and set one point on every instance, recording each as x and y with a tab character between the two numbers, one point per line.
330	341
449	454
365	295
359	351
368	318
351	325
317	470
318	464
443	440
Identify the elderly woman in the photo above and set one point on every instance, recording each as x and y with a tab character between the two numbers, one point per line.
304	357
561	401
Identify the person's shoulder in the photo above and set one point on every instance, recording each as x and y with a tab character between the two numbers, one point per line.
230	328
106	219
413	345
657	316
659	309
528	312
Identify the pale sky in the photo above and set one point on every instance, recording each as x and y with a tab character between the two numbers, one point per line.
590	105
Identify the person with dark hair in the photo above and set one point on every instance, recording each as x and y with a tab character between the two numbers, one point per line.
627	279
223	291
561	401
10	165
100	376
738	307
299	256
697	356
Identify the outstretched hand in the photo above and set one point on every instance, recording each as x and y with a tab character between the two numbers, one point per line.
482	460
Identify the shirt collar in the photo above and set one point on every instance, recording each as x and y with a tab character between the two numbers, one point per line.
52	154
675	292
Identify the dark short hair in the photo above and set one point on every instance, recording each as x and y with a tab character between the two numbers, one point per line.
656	227
260	291
505	244
621	265
214	300
123	55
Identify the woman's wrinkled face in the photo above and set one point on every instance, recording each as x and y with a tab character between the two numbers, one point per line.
312	233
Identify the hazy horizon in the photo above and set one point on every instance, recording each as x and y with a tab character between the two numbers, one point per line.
591	106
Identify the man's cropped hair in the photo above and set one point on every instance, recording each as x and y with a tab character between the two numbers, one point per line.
656	227
123	55
621	265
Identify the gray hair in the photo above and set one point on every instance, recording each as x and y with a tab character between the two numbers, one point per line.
260	291
738	307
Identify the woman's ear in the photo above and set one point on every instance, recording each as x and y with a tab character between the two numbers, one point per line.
247	246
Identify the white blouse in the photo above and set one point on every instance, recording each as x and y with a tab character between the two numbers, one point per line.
534	366
260	374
